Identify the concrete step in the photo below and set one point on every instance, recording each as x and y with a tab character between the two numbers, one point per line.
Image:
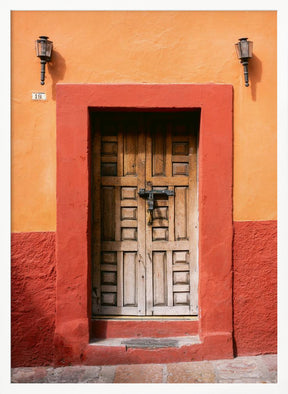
148	343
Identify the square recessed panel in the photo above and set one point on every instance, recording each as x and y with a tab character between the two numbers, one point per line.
180	256
109	148
181	298
109	258
180	148
109	299
128	193
108	278
160	233
128	213
180	277
109	169
129	233
160	213
180	168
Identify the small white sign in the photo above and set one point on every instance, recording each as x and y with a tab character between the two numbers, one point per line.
38	96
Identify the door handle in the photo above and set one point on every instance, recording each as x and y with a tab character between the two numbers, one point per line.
149	195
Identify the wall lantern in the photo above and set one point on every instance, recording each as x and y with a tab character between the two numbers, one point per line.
44	51
244	52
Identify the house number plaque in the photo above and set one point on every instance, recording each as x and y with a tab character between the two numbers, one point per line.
39	96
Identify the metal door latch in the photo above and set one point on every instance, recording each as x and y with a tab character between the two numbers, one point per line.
149	195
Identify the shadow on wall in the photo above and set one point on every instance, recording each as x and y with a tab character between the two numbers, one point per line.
255	74
56	68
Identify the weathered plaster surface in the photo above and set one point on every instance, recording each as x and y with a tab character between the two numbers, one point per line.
33	296
255	287
33	280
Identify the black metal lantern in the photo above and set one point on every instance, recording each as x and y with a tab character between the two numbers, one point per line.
44	51
244	52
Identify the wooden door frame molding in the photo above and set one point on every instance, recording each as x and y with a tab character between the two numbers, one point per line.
73	294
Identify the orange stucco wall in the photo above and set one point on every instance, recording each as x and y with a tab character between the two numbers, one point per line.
142	47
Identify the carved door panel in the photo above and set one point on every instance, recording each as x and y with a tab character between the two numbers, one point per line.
144	265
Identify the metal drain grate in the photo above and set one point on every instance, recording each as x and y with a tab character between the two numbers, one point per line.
150	343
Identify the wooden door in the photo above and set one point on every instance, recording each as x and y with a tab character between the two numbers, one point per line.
140	268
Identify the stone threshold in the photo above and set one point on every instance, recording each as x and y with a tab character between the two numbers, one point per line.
148	343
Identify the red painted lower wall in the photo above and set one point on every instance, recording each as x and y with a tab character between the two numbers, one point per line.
136	329
33	279
255	287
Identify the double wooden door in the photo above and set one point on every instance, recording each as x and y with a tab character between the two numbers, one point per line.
144	262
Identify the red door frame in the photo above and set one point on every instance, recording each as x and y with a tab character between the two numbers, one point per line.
73	284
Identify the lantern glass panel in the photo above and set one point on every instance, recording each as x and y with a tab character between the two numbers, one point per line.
250	50
237	47
49	45
38	47
44	48
244	49
41	48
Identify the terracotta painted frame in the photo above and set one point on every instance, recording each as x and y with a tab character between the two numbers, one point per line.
73	299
